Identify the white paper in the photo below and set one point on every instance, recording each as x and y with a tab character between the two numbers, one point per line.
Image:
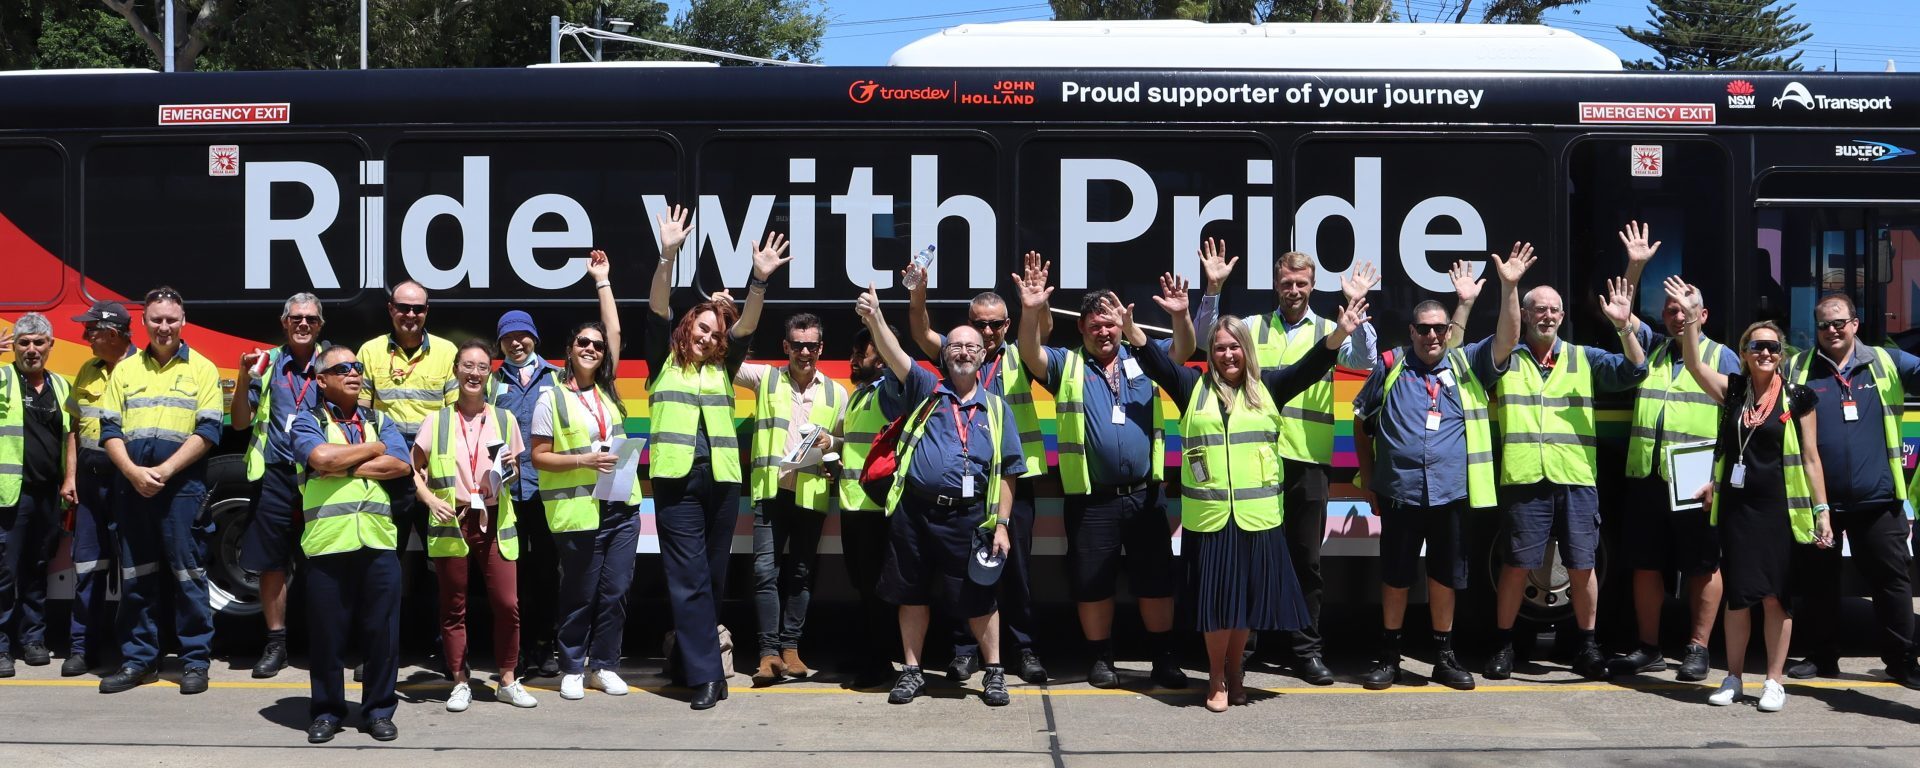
1446	378
806	453
497	474
1690	465
618	484
1131	368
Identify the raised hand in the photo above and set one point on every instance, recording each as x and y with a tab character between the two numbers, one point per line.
1356	285
916	276
1688	296
1173	296
1122	312
1464	285
767	256
1634	237
867	306
1617	302
1353	316
598	265
1516	263
1214	264
1032	283
673	229
6	341
247	361
722	297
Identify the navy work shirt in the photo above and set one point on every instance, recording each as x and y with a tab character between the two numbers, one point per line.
939	462
1117	454
1853	454
1415	466
309	434
295	389
509	393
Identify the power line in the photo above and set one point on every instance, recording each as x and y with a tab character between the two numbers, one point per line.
949	14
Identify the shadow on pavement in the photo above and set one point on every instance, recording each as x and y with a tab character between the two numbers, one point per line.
290	712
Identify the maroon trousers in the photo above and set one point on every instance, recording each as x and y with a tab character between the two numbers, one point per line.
454	574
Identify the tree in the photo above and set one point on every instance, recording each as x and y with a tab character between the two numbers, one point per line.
194	25
789	30
1719	35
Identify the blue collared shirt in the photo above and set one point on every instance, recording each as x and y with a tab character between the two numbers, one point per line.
309	434
507	392
1853	454
1117	454
295	389
1413	465
939	462
1359	352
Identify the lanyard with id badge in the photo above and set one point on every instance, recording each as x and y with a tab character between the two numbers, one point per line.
964	430
1442	379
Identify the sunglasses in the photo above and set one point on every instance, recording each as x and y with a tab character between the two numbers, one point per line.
349	368
1833	325
408	309
1764	345
304	319
805	346
988	325
1431	329
163	294
582	342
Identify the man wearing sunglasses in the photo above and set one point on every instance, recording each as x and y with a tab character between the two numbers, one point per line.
1282	337
1112	463
158	419
1861	390
347	454
1003	375
271	402
789	503
1669	408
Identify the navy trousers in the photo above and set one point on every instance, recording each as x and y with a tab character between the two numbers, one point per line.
349	594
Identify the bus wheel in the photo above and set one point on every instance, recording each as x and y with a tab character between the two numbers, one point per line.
1546	599
231	591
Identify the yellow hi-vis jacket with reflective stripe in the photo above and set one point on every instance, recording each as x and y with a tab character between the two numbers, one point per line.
812	488
263	413
1016	387
1893	399
13	429
1669	409
443	478
89	385
1306	421
1547	427
1070	419
1237	454
861	425
684	398
407	389
1473	403
567	496
345	514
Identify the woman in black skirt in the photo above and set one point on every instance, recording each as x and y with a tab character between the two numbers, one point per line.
1768	491
1239	576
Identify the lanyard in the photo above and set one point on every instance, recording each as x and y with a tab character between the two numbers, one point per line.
1846	385
1546	363
987	377
960	425
1432	381
474	433
354	422
299	395
592	405
394	361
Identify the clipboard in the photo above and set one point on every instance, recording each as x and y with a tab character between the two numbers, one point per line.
1689	466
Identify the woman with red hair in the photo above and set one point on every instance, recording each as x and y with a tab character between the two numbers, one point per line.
695	460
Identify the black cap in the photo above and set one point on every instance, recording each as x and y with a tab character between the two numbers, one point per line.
105	312
984	567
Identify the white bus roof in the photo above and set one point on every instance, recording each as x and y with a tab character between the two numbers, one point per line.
98	71
1198	45
623	65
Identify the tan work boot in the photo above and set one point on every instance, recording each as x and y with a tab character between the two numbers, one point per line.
770	671
795	667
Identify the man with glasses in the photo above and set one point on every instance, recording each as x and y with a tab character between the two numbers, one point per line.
159	418
272	400
347	453
790	503
1282	337
1861	390
109	333
1112	463
38	456
1549	449
1669	409
1003	375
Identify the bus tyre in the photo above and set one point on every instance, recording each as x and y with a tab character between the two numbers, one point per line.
1546	599
231	591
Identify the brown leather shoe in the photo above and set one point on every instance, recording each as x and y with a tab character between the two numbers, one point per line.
770	671
795	667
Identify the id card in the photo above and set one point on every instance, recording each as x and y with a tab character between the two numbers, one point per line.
1737	477
966	486
1849	410
1131	368
1446	378
289	424
1197	465
1433	421
474	501
1119	414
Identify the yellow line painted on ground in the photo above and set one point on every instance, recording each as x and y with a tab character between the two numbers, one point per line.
1196	690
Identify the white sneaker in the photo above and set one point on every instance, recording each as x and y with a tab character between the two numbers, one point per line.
606	680
1773	697
516	694
573	687
460	698
1728	693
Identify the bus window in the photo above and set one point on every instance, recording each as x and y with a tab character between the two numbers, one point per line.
152	208
1870	254
1680	188
506	218
32	226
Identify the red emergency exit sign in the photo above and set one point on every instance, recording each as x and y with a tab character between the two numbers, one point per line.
223	114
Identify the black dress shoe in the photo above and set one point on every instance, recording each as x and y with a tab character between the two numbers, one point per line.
1168	674
1314	671
6	665
273	658
551	666
1643	659
1383	675
322	730
1592	664
962	667
1102	674
706	695
1694	667
1810	667
383	729
1447	671
1030	668
36	654
193	680
127	679
74	666
1500	665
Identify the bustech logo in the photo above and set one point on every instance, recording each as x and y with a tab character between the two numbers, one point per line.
1870	151
864	91
1740	95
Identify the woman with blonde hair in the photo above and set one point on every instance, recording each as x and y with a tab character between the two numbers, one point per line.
1768	491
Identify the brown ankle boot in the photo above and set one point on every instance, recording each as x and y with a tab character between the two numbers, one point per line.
770	670
795	667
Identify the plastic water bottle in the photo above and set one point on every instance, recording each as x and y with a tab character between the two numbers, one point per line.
920	260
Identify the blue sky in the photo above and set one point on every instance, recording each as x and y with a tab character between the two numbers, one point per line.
1862	33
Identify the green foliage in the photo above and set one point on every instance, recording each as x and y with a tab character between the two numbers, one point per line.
773	29
1719	35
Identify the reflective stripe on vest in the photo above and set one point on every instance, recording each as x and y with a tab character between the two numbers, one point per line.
910	438
443	479
13	429
1016	387
863	422
345	514
1242	462
1546	427
1070	423
426	386
567	496
1473	403
683	399
1669	410
1893	400
1306	421
1799	490
812	488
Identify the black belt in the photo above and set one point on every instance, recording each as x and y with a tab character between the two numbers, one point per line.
944	500
1121	490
